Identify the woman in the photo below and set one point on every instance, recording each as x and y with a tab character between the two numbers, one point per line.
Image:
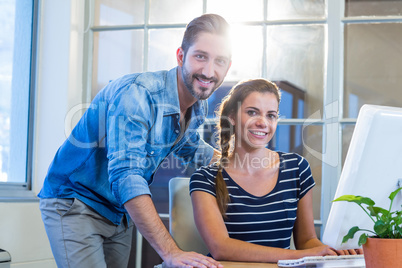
247	205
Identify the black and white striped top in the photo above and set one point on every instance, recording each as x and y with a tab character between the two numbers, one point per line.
266	220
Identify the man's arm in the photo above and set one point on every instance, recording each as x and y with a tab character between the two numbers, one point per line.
128	128
148	222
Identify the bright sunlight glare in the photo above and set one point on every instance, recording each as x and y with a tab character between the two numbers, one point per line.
247	52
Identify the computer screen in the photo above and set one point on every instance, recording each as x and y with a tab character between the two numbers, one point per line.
372	168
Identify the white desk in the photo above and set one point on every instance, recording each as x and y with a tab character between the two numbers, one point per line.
230	264
227	264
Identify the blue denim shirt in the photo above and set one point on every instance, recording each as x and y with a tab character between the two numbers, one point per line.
116	147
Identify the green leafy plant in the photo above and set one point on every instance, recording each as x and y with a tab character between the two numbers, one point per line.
387	224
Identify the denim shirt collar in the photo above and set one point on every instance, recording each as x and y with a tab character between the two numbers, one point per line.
172	95
199	108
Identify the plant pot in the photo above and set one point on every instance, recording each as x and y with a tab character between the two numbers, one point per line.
379	252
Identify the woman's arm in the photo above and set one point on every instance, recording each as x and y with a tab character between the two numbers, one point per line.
304	234
212	228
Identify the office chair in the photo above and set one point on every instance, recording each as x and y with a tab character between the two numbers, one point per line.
181	220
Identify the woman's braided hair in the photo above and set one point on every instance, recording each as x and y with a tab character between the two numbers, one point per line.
229	107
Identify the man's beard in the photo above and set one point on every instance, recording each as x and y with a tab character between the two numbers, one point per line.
204	93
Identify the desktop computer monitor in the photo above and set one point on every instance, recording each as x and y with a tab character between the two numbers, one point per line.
372	168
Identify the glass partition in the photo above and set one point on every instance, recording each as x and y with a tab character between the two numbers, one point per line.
162	54
373	8
237	10
296	9
373	66
296	54
118	12
247	52
174	11
116	53
16	41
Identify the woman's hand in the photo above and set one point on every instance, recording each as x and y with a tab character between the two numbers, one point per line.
349	251
322	250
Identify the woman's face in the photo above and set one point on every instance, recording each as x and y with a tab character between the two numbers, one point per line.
256	120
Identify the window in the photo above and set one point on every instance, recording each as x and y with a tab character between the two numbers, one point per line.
17	43
328	57
373	59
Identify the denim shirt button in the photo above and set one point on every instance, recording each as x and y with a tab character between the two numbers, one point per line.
177	131
152	152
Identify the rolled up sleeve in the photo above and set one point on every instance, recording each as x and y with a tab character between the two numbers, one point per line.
129	121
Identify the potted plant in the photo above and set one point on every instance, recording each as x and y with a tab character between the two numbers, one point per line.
384	243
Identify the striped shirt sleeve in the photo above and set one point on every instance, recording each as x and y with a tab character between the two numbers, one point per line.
204	180
306	178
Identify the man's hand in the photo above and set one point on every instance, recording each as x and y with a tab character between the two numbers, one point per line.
142	211
184	259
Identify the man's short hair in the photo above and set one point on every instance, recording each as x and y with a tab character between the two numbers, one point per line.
210	23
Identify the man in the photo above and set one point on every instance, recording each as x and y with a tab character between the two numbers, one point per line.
99	177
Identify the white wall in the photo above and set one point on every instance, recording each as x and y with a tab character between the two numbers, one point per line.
59	88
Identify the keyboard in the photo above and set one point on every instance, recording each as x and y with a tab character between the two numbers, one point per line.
325	261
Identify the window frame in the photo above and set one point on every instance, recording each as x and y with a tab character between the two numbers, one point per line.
11	191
